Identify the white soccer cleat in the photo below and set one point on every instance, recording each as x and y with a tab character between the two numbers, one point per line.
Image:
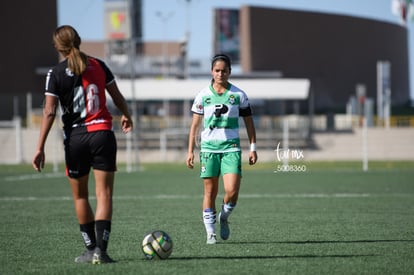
211	238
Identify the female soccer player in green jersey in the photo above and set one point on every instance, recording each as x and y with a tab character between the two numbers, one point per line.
219	107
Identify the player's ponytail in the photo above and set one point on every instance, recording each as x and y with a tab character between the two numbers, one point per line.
67	41
77	61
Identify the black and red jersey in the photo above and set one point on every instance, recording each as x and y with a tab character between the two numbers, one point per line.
82	98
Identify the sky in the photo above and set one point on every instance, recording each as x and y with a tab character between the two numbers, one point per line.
196	16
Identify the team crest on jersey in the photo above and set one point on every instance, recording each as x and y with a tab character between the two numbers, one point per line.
232	99
68	72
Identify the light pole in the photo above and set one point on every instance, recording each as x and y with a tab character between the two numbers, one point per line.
132	142
187	40
164	19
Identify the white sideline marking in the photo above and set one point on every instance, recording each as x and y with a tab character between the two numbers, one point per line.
35	176
180	197
337	195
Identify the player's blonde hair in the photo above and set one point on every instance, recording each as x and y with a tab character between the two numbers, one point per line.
67	41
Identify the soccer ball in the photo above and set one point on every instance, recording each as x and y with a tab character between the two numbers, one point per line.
157	245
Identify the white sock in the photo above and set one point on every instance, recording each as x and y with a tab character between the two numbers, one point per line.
209	218
226	209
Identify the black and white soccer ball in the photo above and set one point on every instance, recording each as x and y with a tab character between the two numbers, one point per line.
157	245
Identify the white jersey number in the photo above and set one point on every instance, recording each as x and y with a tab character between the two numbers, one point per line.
88	105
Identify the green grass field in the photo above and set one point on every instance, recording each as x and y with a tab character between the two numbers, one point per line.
331	219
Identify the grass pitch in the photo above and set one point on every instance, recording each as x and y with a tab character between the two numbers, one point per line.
331	219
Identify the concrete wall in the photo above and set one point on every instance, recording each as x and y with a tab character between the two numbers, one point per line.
383	144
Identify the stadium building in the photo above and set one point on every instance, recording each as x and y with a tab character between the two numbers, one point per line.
335	52
333	57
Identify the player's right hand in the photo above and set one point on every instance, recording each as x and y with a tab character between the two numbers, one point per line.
190	160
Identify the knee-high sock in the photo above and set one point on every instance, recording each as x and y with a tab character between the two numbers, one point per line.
88	235
209	219
103	229
226	210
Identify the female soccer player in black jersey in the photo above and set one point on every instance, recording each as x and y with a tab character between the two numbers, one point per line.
78	83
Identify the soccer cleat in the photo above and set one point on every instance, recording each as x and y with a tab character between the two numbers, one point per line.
86	257
224	228
211	238
101	257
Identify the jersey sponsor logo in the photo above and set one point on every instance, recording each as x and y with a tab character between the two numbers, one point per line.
219	121
93	122
220	109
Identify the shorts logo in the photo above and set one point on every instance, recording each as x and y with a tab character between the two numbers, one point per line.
73	172
203	169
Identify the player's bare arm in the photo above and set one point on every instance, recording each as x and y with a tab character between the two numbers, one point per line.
195	125
49	114
120	103
251	133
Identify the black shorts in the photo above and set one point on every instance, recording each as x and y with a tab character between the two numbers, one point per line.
86	150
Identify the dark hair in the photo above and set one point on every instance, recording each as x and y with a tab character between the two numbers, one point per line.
221	57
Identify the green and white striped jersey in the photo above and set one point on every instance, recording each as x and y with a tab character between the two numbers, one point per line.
221	118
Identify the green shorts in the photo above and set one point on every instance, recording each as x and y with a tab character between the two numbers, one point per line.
216	164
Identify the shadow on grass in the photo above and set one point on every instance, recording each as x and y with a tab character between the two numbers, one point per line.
275	257
257	257
318	242
304	256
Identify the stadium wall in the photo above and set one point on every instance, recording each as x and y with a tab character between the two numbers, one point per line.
335	52
329	146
